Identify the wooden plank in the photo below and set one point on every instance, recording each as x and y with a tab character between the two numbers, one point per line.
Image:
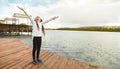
26	61
10	57
14	61
3	41
49	62
47	54
16	45
11	51
63	63
46	62
55	64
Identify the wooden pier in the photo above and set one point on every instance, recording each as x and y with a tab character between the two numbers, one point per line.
15	54
15	28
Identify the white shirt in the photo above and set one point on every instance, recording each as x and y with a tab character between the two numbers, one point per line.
35	31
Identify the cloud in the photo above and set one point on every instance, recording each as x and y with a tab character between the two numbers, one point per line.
74	12
88	12
33	2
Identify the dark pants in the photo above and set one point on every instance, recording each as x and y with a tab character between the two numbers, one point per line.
36	47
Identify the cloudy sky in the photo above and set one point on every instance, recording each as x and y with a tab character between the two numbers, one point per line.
72	13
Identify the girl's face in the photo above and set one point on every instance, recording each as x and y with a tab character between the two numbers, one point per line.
37	19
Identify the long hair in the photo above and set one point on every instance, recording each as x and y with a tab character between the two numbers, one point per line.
43	29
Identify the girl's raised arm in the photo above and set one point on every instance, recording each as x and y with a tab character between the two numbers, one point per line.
53	18
26	14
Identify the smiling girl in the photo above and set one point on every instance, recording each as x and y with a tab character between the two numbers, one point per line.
37	33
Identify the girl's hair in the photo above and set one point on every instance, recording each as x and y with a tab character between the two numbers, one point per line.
43	29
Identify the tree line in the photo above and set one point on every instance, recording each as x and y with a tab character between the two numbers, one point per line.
93	28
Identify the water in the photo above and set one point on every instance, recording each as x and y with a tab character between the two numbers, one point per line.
99	48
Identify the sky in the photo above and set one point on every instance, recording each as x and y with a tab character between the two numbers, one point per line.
72	13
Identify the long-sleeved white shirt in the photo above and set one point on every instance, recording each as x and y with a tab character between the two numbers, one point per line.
35	31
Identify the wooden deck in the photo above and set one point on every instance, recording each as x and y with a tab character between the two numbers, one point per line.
15	54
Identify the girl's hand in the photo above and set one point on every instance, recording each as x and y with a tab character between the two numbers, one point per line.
54	17
20	8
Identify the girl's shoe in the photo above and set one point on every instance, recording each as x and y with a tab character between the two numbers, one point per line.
39	60
35	61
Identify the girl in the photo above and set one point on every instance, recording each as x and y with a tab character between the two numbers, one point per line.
37	33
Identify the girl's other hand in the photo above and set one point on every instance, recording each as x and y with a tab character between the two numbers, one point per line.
54	17
20	8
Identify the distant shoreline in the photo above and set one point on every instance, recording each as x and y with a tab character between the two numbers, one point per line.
91	28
